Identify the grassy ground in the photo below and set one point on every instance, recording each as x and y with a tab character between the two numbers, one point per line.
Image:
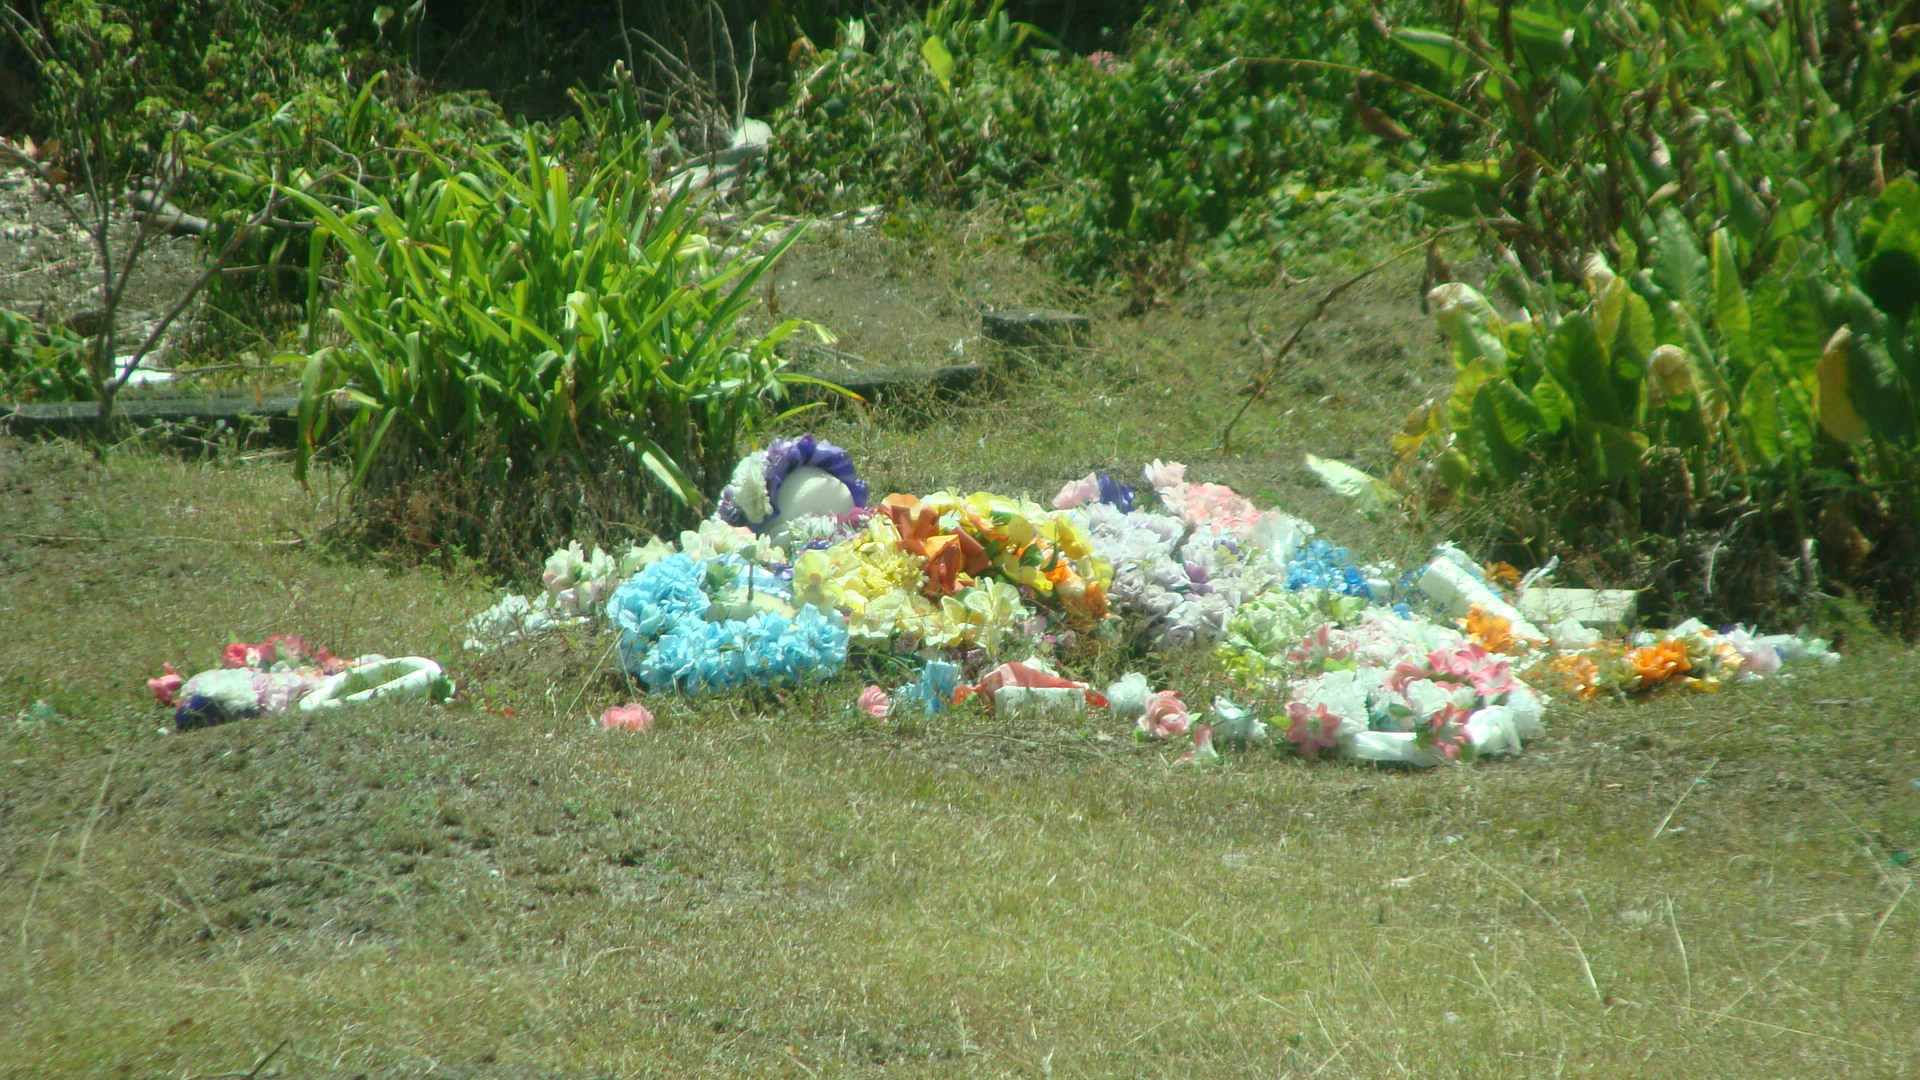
1697	886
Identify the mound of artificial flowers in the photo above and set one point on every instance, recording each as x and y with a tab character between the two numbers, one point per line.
990	597
285	673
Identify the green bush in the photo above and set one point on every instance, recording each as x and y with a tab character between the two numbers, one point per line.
521	325
1111	166
1605	124
1732	416
1679	414
41	363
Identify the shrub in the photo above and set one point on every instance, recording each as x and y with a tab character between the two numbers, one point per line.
1111	166
1679	422
526	327
1732	415
41	363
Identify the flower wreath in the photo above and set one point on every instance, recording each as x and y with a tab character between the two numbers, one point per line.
710	625
791	478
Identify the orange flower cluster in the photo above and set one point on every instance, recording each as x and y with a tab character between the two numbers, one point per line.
1503	573
1575	674
1656	663
1494	633
952	557
1037	555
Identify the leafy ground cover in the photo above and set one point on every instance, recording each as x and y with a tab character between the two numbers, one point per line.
1694	886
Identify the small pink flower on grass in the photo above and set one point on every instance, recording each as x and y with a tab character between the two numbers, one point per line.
875	702
1166	716
1078	493
634	717
166	688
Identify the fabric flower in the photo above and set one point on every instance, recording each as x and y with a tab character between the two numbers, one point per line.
1078	493
934	692
1203	752
1235	725
745	500
1164	475
166	687
1165	717
719	624
1127	697
1492	631
631	717
1660	661
1312	729
875	702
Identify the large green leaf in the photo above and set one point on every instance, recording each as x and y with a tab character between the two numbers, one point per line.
1466	385
939	60
1760	414
1731	315
1550	400
1678	265
1579	363
1874	385
1495	451
1440	50
1608	452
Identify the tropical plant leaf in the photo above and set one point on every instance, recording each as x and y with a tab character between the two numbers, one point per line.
1496	453
1579	363
1441	50
1731	315
1369	494
1678	265
939	60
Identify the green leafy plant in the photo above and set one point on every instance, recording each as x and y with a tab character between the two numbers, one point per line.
1114	168
41	363
116	143
1602	125
1677	405
517	320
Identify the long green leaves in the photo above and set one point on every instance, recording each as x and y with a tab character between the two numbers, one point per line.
525	315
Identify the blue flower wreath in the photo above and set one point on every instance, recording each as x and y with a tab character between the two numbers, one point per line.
668	643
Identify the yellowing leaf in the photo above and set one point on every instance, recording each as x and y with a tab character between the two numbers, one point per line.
1834	403
1369	494
939	60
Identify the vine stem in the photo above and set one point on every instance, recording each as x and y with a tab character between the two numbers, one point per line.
1270	365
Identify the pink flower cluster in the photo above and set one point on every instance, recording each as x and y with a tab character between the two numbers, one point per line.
1490	674
290	649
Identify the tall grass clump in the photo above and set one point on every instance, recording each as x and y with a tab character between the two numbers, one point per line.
532	353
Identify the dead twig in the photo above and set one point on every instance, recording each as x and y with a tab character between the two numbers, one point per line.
1271	359
1579	951
1675	808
